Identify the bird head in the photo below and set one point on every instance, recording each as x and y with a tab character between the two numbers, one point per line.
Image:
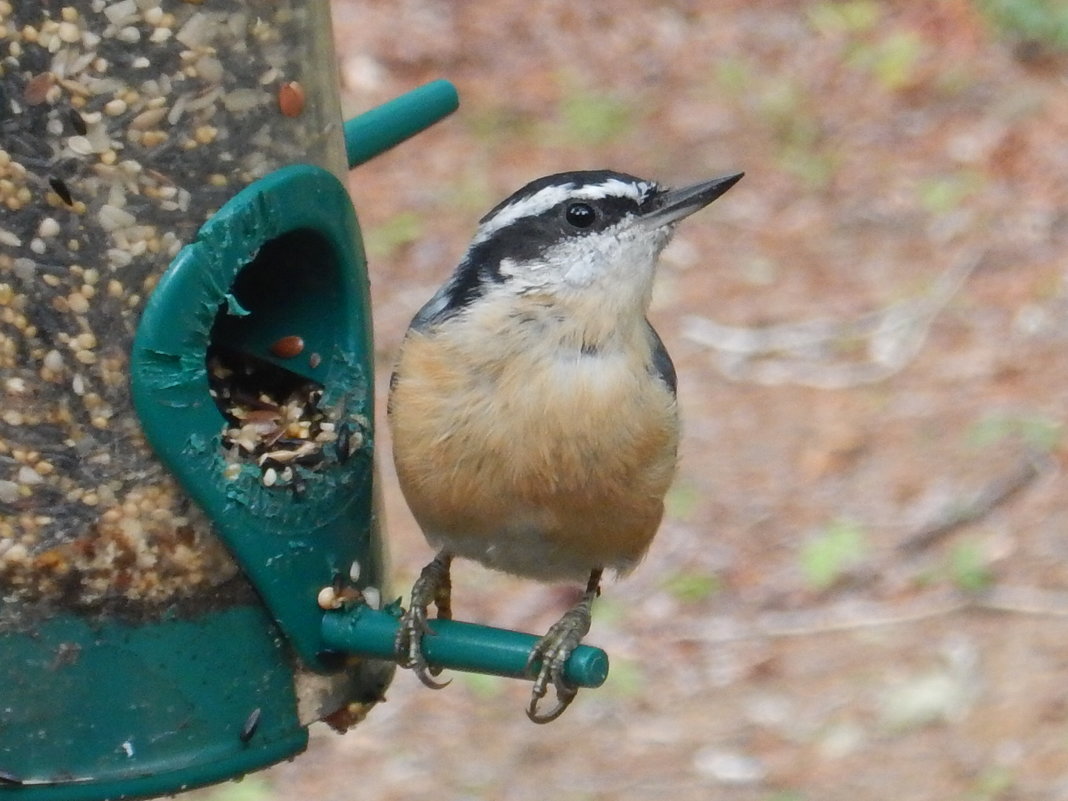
591	235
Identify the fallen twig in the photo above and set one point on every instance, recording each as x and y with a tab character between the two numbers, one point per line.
810	352
855	616
995	492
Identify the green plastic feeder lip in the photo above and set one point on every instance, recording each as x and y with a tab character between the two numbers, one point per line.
282	259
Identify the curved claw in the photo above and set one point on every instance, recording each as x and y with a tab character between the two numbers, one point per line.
408	645
426	674
565	694
553	651
432	587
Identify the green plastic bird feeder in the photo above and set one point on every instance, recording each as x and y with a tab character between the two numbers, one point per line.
191	569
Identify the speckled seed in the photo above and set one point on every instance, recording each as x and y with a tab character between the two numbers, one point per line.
291	99
287	347
314	360
329	599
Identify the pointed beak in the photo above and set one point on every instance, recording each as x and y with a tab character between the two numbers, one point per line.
675	204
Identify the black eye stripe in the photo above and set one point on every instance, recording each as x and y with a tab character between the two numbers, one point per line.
531	236
597	215
528	238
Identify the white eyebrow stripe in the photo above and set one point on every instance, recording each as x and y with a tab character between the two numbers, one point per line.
544	199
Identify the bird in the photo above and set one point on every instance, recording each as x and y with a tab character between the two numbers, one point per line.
533	406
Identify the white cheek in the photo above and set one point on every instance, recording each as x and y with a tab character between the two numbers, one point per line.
579	274
529	277
586	261
507	268
612	263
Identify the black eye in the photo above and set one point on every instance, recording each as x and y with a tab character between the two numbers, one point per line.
580	215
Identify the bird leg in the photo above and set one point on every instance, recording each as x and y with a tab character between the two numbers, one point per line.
434	586
553	650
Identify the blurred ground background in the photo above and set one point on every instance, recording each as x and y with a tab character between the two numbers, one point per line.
861	587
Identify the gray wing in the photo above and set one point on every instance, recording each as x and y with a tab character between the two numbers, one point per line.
662	366
434	309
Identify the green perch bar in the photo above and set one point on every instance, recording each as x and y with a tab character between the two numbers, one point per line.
377	130
468	647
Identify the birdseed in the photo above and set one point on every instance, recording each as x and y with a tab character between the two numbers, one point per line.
123	127
277	422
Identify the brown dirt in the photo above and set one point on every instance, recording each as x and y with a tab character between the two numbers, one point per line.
876	158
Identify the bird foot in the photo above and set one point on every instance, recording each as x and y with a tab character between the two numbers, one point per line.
432	587
553	651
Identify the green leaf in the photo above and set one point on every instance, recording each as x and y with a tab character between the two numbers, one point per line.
481	685
681	500
827	556
968	567
734	75
1040	433
854	16
591	118
946	193
994	782
398	231
248	788
1043	21
626	678
692	587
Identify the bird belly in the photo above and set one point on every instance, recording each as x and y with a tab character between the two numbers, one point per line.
548	468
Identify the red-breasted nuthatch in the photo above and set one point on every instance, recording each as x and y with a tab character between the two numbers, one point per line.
535	425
